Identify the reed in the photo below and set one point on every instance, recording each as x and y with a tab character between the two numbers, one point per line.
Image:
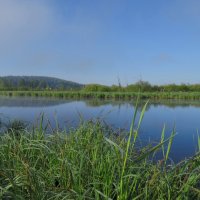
105	95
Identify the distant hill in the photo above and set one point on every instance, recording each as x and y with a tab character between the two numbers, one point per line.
37	82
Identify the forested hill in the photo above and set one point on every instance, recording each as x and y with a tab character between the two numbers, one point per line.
36	83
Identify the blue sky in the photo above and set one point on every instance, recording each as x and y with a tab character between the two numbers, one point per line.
100	41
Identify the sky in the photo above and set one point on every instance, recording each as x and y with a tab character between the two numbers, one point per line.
102	41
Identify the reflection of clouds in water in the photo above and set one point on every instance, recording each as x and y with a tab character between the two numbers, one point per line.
29	102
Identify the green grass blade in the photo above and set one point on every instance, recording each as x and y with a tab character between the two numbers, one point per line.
169	144
162	139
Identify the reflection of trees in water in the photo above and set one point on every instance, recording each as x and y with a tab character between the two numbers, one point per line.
155	103
176	103
114	103
42	101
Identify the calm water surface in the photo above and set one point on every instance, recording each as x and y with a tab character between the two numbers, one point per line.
184	115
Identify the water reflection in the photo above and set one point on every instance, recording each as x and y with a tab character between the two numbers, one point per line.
42	101
184	115
168	103
29	102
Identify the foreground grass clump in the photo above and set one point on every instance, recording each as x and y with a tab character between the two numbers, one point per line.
91	162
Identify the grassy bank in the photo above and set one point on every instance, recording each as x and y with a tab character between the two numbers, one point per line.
91	162
105	95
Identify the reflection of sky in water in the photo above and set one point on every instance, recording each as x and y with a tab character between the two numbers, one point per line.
184	115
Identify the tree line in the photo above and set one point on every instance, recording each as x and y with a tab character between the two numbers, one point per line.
143	86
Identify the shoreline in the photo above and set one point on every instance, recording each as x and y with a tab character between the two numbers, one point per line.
105	95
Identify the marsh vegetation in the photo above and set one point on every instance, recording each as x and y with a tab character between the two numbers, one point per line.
92	162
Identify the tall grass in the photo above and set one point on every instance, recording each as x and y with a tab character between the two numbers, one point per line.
92	162
105	95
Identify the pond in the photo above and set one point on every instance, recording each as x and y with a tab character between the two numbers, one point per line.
183	115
